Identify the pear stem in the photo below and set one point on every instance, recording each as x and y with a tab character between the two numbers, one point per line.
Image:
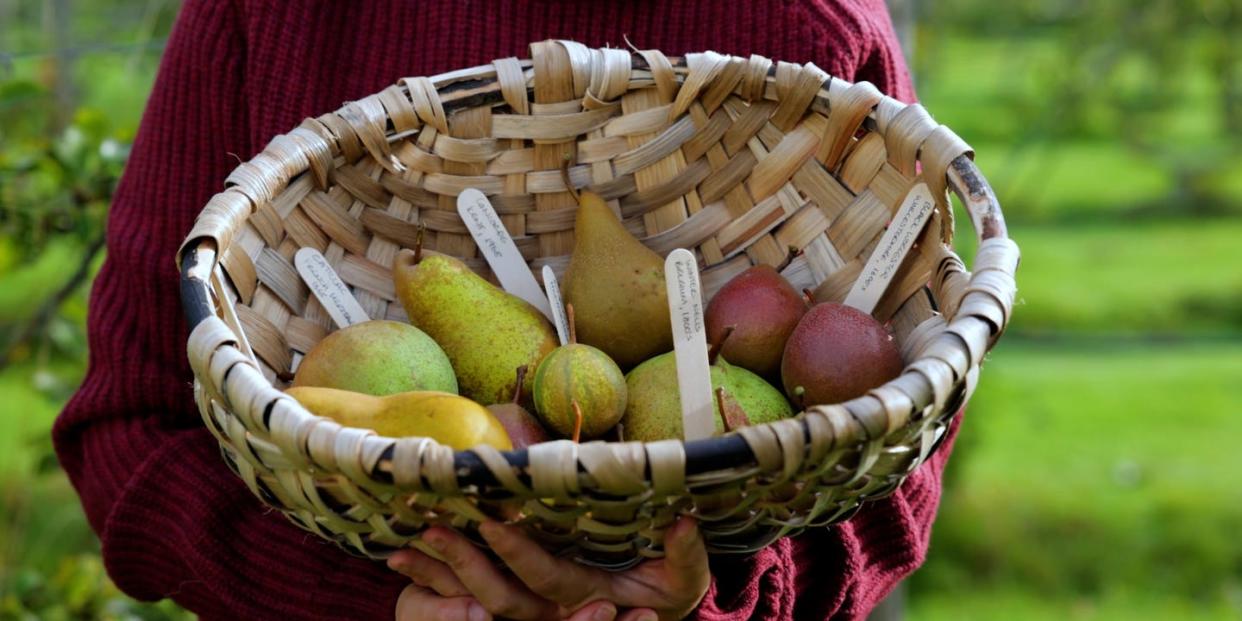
517	390
577	420
799	395
714	351
620	432
720	403
573	326
809	295
418	243
569	187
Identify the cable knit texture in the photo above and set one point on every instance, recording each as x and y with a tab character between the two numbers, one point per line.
173	520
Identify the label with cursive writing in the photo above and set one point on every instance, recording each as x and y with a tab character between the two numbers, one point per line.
882	265
685	306
558	306
322	280
497	247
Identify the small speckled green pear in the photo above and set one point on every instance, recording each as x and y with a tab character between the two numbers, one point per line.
580	392
486	332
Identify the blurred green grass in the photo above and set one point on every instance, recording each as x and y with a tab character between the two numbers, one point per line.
1151	277
1091	467
1021	604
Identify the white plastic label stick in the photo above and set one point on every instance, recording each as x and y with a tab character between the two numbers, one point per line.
322	280
558	307
891	250
499	250
685	305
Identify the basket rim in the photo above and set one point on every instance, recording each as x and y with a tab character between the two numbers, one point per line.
198	258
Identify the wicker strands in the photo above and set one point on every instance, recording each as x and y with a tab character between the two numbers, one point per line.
742	160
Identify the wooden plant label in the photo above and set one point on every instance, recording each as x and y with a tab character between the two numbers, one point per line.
322	280
882	265
558	306
498	248
694	378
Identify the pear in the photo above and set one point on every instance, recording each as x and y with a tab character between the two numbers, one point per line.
446	418
486	332
837	353
579	391
763	308
617	285
654	408
377	358
522	426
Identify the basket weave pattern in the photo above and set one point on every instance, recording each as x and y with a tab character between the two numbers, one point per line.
743	160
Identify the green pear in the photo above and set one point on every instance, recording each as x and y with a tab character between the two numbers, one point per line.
653	411
617	285
377	358
486	332
579	391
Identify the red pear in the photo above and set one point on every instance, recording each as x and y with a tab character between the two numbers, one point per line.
763	309
522	426
835	354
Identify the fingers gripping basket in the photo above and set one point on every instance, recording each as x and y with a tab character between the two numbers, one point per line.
743	160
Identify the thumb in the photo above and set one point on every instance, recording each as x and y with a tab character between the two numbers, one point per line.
685	555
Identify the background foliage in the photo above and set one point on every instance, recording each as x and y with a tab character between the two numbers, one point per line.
1095	477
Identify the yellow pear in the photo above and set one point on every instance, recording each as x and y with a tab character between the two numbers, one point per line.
446	418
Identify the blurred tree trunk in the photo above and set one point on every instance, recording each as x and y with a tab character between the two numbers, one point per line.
58	68
904	13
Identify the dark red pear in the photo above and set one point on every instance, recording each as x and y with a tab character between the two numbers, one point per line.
522	426
837	353
764	309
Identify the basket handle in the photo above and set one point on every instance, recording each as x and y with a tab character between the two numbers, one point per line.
978	198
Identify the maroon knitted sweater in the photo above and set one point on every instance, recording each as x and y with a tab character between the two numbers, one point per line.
173	520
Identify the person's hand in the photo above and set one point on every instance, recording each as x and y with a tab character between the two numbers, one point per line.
420	603
541	586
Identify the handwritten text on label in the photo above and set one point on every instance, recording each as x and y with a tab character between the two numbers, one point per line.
891	250
322	280
681	273
498	248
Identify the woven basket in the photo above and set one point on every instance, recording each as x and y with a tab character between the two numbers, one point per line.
743	160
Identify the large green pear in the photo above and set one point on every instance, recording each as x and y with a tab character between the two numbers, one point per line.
378	358
653	411
617	286
486	332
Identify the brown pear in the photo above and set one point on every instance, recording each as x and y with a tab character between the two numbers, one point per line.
617	286
763	308
837	353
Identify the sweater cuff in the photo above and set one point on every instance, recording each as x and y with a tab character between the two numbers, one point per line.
185	527
759	586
